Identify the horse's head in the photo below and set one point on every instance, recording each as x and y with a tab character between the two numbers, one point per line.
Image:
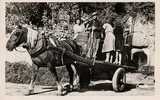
18	36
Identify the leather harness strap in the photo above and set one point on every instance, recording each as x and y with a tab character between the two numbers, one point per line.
59	51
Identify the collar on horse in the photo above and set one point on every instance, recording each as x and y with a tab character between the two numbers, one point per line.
43	43
37	50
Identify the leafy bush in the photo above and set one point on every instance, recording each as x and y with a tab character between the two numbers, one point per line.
19	72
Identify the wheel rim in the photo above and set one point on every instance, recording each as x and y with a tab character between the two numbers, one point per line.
121	81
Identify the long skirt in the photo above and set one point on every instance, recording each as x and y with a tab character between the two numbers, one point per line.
82	40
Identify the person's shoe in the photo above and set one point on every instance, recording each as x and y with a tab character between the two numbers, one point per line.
106	60
119	63
115	62
91	84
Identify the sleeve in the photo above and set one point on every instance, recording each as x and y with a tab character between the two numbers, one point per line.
74	29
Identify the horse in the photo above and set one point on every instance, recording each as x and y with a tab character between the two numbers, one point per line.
44	53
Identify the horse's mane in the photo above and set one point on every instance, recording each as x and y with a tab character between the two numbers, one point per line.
31	37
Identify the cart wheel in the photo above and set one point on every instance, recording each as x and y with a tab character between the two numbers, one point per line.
119	80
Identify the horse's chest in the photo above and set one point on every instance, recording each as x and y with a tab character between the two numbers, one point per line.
41	60
56	58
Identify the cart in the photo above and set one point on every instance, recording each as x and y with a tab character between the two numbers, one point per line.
112	72
115	73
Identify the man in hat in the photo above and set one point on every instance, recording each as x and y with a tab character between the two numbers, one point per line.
94	38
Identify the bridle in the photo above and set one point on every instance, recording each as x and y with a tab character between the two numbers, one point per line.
18	40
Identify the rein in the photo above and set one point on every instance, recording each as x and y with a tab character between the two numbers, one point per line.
46	38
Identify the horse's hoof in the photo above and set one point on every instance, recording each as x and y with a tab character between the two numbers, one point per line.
76	88
60	94
30	92
64	93
70	89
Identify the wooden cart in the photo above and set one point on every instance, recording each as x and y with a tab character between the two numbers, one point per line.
113	72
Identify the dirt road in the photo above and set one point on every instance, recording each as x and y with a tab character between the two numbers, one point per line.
101	88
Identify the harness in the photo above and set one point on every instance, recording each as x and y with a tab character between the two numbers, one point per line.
47	44
57	50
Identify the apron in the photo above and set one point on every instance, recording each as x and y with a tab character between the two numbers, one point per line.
109	41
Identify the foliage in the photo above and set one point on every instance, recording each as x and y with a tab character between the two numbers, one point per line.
31	11
71	8
19	72
34	12
146	9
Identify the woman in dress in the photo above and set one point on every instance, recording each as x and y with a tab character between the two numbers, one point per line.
109	42
80	35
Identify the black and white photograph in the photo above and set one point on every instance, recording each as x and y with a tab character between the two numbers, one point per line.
80	48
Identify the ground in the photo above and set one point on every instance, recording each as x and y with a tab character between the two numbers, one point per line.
101	88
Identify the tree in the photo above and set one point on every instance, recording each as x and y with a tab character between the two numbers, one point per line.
71	8
33	12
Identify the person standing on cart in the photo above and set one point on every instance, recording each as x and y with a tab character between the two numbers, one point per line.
94	38
119	41
109	42
80	36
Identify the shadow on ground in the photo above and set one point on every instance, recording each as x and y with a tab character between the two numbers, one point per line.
97	87
45	90
105	87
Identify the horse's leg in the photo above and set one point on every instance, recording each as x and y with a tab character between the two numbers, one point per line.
34	70
71	72
54	74
76	79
